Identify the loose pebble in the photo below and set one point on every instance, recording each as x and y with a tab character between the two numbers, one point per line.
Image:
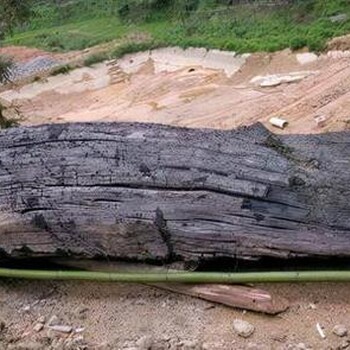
53	321
36	65
79	330
243	328
61	329
340	330
26	345
42	319
38	327
144	343
190	345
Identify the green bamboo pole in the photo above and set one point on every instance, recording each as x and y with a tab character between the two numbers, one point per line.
180	277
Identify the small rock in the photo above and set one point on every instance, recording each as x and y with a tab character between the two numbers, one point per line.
53	321
79	330
103	346
57	343
38	327
279	337
144	343
209	307
301	346
82	312
27	345
212	346
190	345
160	345
344	345
26	308
243	328
42	319
74	343
340	330
306	57
62	329
339	18
254	346
174	343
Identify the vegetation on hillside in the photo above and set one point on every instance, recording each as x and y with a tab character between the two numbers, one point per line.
13	12
77	24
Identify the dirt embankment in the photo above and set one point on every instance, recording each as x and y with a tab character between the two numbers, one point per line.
196	89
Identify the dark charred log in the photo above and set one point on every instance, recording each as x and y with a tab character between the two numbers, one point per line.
152	192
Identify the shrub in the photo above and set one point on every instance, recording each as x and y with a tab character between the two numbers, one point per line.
298	43
6	123
316	44
6	64
65	69
127	48
96	58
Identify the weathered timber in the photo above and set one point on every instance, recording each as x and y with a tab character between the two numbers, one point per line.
237	296
140	191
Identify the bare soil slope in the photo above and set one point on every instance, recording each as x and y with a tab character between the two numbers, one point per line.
194	95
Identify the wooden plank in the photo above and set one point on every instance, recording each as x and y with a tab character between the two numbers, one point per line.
242	297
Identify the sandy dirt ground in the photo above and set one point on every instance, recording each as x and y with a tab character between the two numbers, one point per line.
141	317
117	316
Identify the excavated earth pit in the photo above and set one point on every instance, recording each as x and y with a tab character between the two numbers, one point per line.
197	88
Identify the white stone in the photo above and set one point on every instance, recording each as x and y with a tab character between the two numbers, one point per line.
53	321
307	57
243	328
38	327
342	17
340	330
42	319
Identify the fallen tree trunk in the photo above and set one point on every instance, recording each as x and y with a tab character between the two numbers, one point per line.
139	191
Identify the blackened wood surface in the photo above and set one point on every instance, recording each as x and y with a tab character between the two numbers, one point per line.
144	191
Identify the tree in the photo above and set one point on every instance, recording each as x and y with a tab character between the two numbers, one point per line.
13	13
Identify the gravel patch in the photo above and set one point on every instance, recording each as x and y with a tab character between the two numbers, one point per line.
37	65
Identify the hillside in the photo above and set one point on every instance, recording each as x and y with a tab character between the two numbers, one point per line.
248	26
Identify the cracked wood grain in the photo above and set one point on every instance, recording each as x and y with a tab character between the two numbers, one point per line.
142	191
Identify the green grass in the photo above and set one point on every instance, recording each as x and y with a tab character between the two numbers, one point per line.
73	36
96	58
64	69
119	51
241	29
